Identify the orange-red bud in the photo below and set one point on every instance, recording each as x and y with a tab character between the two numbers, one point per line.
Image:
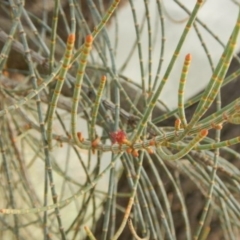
204	133
80	137
71	38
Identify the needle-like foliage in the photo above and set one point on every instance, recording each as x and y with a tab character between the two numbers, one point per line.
87	152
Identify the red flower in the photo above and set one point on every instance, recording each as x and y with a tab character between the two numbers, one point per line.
118	137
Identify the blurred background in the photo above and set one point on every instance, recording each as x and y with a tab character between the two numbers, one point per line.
218	15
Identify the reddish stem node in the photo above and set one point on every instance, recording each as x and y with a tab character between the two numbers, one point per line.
188	57
80	137
149	150
204	132
89	38
177	124
135	153
71	38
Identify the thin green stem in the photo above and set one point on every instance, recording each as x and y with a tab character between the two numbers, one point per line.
182	82
59	85
152	102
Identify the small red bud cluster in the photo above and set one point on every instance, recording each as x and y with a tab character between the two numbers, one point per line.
119	137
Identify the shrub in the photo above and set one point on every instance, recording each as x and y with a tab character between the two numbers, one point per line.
83	147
